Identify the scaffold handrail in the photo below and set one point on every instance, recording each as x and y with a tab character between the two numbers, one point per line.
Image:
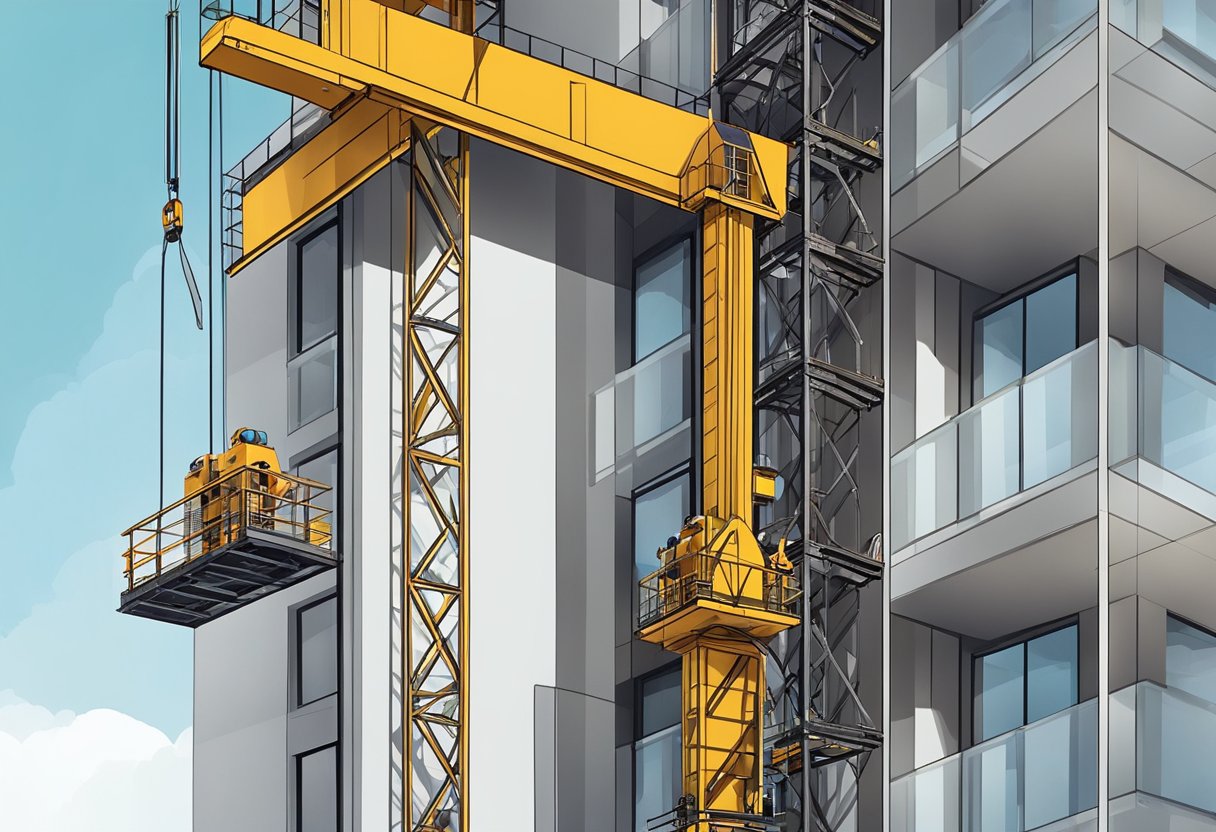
223	512
709	575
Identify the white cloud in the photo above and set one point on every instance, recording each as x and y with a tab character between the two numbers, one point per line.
101	770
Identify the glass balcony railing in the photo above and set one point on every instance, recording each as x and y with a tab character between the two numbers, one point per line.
1038	427
1183	30
1022	780
1161	743
1163	413
997	52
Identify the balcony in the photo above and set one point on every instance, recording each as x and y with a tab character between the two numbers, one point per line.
1182	30
1161	742
1032	431
242	536
1163	414
1030	778
997	53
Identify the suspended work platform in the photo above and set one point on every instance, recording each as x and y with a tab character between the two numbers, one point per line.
244	535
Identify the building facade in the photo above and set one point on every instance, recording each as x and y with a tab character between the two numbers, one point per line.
985	384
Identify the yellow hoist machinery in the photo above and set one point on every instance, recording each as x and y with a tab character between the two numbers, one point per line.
243	528
393	78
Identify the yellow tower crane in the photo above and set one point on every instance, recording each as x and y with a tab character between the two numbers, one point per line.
389	76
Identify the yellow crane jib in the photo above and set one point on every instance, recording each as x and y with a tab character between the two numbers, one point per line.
377	63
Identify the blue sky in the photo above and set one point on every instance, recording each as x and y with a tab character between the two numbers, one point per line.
82	139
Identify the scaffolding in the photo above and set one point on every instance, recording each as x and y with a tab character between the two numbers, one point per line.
808	72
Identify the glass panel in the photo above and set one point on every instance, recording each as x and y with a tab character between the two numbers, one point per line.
1059	422
996	46
312	381
924	113
1051	673
1060	758
1176	733
1192	21
1189	330
661	298
1190	659
318	651
657	515
924	480
927	799
1051	323
1053	19
605	429
988	452
999	685
317	790
999	335
662	386
990	786
1179	420
317	291
1123	15
656	761
660	702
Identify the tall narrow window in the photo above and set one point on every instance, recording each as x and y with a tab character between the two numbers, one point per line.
323	508
316	651
317	790
656	752
1188	333
662	311
313	365
658	513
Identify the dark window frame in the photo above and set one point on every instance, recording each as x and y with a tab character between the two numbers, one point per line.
297	698
1195	289
639	683
298	760
1070	268
653	484
649	255
1022	640
297	346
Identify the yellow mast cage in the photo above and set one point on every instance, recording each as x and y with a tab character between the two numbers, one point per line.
389	77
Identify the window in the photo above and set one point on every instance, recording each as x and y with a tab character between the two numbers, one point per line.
662	310
1025	335
658	513
316	651
1190	659
317	790
313	366
1189	327
656	752
1023	683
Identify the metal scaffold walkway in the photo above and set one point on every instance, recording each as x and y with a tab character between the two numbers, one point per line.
808	72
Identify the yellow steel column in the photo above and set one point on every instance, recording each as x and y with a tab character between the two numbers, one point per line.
726	416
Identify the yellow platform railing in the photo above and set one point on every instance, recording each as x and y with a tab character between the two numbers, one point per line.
221	513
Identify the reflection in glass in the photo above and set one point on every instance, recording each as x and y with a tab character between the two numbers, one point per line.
988	438
317	289
658	514
1000	337
1190	659
1051	673
660	701
990	792
996	47
661	299
317	790
318	651
1051	323
1189	327
999	688
656	761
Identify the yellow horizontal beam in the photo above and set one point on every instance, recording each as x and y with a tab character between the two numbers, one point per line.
500	95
